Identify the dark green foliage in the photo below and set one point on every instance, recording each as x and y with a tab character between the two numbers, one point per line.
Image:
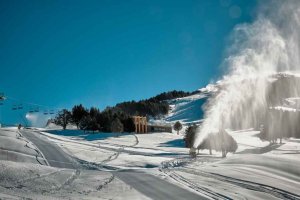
170	95
89	123
117	126
78	112
94	112
144	108
177	127
154	106
119	116
94	120
190	134
128	125
63	118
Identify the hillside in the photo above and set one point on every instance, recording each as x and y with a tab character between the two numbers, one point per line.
189	109
281	94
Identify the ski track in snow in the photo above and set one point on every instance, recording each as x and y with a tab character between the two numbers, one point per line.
171	169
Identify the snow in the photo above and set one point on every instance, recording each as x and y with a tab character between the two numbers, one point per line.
283	108
247	140
187	109
24	174
257	171
121	151
14	147
26	180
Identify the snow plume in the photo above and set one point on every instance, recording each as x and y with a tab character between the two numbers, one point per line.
36	119
259	50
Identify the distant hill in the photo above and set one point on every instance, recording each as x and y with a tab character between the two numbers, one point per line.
153	107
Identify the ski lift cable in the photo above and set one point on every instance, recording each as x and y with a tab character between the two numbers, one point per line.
34	104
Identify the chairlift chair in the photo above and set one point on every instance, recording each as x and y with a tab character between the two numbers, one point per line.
31	110
20	107
2	97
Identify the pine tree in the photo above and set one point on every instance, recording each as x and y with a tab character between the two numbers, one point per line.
190	133
89	123
78	112
117	126
128	124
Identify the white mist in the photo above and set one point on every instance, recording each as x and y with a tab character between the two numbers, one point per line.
259	50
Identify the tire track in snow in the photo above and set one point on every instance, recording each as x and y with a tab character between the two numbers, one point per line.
276	192
202	190
19	136
116	155
20	182
165	168
69	181
106	182
110	158
40	176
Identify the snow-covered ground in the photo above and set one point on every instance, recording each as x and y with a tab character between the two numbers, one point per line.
257	170
120	150
187	110
26	180
24	174
14	147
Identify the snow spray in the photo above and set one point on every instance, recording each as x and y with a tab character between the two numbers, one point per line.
258	52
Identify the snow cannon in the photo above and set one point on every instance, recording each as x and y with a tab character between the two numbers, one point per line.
193	152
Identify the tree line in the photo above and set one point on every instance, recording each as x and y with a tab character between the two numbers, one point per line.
155	106
117	118
109	120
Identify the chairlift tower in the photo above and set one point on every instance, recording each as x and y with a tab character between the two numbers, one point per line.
2	98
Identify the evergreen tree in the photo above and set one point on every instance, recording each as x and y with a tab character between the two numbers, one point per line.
94	112
89	123
177	127
128	125
117	126
190	134
78	112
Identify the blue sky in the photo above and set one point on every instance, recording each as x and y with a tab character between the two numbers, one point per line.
99	53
